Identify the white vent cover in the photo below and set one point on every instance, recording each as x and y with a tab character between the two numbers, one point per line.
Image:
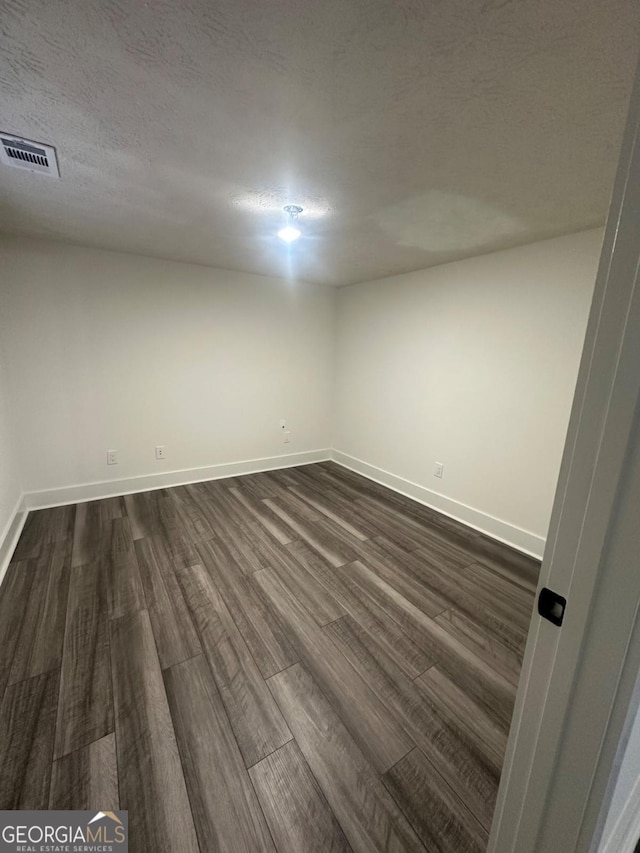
25	154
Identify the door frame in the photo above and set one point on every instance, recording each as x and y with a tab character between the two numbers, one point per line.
576	696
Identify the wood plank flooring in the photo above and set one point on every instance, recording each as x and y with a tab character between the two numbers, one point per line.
296	661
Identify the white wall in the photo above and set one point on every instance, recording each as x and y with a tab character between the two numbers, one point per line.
10	487
116	351
472	364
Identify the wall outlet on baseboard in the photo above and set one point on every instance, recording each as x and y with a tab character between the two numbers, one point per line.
160	451
286	436
112	457
438	470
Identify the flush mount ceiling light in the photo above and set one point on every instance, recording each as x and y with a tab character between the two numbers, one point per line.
290	232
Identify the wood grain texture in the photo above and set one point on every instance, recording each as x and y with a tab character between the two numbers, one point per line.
151	514
458	709
14	595
125	594
323	604
195	520
297	812
225	809
173	629
282	477
372	588
249	608
440	548
335	475
440	818
397	516
346	517
260	485
329	544
332	481
256	720
39	646
42	527
385	632
234	528
407	583
249	539
179	548
85	709
92	529
518	568
368	815
304	511
458	591
27	728
505	660
399	528
263	515
453	754
396	634
377	733
493	692
152	785
511	596
86	778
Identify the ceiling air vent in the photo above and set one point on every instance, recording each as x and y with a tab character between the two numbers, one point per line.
25	154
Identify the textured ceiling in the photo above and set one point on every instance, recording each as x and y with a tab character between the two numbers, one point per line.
411	132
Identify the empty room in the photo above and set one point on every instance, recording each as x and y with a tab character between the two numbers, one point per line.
299	337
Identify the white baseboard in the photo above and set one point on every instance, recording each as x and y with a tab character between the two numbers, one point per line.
522	540
148	482
9	537
516	537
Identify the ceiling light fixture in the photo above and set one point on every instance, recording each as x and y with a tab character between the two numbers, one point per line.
290	233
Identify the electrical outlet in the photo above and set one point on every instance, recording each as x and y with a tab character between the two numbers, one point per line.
160	451
112	457
286	437
438	470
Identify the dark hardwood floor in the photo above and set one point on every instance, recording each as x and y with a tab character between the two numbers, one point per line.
296	661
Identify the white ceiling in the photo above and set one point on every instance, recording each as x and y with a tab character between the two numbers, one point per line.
412	131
